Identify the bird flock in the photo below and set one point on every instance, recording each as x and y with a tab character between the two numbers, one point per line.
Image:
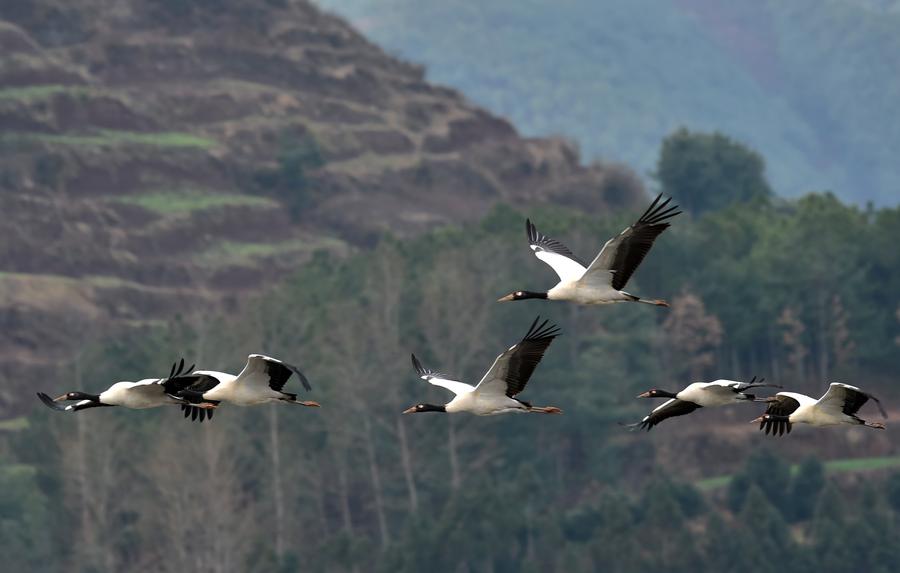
199	393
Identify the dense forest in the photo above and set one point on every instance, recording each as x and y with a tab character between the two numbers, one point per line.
809	77
800	291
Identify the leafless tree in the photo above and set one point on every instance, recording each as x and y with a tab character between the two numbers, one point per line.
693	335
793	338
842	344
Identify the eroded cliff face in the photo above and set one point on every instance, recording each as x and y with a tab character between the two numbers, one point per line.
165	156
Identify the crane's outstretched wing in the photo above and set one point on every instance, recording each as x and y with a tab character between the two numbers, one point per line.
438	379
622	254
511	370
267	371
668	409
847	399
566	265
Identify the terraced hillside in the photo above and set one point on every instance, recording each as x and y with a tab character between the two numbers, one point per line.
164	157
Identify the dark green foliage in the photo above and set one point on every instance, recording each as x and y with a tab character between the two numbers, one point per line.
805	487
893	491
710	171
48	170
24	519
723	542
765	533
689	500
571	493
829	529
765	472
297	155
670	544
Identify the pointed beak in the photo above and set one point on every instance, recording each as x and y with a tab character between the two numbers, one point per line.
207	405
644	394
61	398
758	420
410	410
310	403
506	298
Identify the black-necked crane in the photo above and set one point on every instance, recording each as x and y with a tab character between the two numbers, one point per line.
839	405
602	281
140	395
261	381
698	395
496	392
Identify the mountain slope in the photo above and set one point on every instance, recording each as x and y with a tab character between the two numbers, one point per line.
164	158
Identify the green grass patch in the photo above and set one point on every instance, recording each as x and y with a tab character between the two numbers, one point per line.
234	252
97	281
189	200
831	466
861	464
712	483
110	138
25	93
14	424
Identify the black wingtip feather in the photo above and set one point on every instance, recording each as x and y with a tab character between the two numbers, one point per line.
657	212
178	368
417	365
424	372
651	207
538	332
880	407
304	381
545	243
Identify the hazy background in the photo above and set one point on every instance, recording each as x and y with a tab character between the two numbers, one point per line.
812	83
213	178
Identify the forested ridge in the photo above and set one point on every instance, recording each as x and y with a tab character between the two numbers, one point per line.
357	486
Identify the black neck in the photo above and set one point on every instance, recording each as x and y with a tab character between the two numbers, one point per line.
432	408
85	396
529	294
662	394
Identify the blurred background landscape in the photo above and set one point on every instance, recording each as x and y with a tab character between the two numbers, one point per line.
342	184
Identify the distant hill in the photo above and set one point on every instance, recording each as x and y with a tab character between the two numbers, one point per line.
164	158
811	84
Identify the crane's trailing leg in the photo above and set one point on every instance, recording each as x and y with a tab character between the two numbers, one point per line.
545	410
